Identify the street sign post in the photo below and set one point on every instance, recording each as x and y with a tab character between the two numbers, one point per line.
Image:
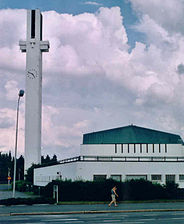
9	179
55	192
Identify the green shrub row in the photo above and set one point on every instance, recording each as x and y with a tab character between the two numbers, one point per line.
133	190
101	191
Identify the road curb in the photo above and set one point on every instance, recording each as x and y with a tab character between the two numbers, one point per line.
95	212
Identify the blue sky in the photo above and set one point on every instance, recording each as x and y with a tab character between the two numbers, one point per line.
63	6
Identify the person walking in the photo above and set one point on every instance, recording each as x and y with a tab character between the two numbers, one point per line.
113	196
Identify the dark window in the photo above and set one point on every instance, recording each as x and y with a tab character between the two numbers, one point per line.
159	148
157	177
32	23
128	148
99	177
41	26
121	148
170	178
140	148
165	148
153	148
115	148
181	177
136	177
134	148
146	148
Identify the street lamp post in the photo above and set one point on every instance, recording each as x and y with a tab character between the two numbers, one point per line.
21	94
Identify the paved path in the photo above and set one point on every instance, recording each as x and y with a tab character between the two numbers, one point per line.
64	209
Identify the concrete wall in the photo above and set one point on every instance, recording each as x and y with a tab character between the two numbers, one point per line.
153	150
86	170
131	168
44	175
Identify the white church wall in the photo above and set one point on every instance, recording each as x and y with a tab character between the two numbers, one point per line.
44	175
127	170
86	170
132	150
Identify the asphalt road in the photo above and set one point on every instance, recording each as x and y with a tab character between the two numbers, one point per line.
126	218
95	207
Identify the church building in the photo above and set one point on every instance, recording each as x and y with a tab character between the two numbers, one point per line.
123	153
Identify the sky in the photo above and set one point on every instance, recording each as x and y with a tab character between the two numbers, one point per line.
111	63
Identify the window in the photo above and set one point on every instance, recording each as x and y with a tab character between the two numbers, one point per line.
165	148
153	148
32	23
136	177
128	148
115	148
169	178
41	24
134	148
140	148
159	149
146	148
99	177
116	177
121	148
181	177
156	177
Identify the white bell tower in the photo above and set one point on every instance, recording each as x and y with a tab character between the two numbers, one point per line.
33	46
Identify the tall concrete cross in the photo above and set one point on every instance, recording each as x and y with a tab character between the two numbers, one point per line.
33	46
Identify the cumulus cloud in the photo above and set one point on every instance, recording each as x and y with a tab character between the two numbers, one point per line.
82	43
168	13
11	90
91	79
7	130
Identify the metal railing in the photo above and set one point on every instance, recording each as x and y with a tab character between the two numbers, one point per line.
123	159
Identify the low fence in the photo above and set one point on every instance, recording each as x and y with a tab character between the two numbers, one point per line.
122	159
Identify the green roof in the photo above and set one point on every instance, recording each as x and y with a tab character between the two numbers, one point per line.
131	134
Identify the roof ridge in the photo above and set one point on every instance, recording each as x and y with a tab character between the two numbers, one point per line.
131	134
133	126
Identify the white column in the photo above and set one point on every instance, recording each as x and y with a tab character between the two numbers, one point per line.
33	46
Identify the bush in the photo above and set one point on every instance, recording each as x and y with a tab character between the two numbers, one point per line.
97	191
101	190
171	190
23	186
81	191
142	190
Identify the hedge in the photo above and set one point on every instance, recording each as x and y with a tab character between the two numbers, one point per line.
100	191
132	190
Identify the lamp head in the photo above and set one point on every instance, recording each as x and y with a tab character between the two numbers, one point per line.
21	93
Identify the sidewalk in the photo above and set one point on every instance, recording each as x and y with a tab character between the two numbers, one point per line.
86	209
